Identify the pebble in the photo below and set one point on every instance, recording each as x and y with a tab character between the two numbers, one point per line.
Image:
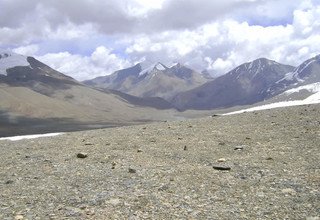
221	160
139	150
82	155
185	148
114	202
239	147
9	182
18	217
132	170
221	167
289	191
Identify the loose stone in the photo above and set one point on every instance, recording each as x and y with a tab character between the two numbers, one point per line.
82	155
132	170
221	167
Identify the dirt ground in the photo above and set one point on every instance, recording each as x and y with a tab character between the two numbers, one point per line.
258	165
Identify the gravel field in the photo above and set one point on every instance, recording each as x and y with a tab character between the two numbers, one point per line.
257	165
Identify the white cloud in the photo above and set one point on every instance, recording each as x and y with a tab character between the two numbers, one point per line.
203	34
101	62
29	50
224	44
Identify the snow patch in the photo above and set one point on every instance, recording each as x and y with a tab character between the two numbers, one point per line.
9	60
312	99
18	138
146	70
173	65
314	88
149	68
160	66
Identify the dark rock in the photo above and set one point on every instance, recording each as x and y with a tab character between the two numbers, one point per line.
9	182
113	165
82	155
131	170
221	167
185	148
238	147
139	150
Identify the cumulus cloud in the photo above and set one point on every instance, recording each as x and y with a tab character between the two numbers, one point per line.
204	34
28	50
224	44
101	62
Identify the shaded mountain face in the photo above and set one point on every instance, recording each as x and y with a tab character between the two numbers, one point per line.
151	80
246	84
17	70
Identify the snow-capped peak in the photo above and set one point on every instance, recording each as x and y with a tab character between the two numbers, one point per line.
9	60
146	69
175	65
160	66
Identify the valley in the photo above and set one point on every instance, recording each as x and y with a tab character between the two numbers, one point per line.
35	99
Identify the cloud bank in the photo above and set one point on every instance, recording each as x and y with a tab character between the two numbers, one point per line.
85	38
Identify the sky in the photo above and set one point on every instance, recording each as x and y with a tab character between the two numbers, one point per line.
89	38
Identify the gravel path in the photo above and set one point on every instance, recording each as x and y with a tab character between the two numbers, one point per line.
258	165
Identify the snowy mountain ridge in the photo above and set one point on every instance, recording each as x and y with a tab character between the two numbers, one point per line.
296	74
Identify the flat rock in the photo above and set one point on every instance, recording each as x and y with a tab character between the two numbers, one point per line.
218	167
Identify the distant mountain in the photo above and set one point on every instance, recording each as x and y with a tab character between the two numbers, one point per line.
247	84
37	98
151	80
306	73
301	83
17	70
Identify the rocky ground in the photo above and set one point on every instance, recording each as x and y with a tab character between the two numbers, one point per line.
170	170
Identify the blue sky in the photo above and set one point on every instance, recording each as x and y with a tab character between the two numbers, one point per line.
85	39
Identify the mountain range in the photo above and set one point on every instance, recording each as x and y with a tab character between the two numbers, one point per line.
247	84
37	98
148	79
